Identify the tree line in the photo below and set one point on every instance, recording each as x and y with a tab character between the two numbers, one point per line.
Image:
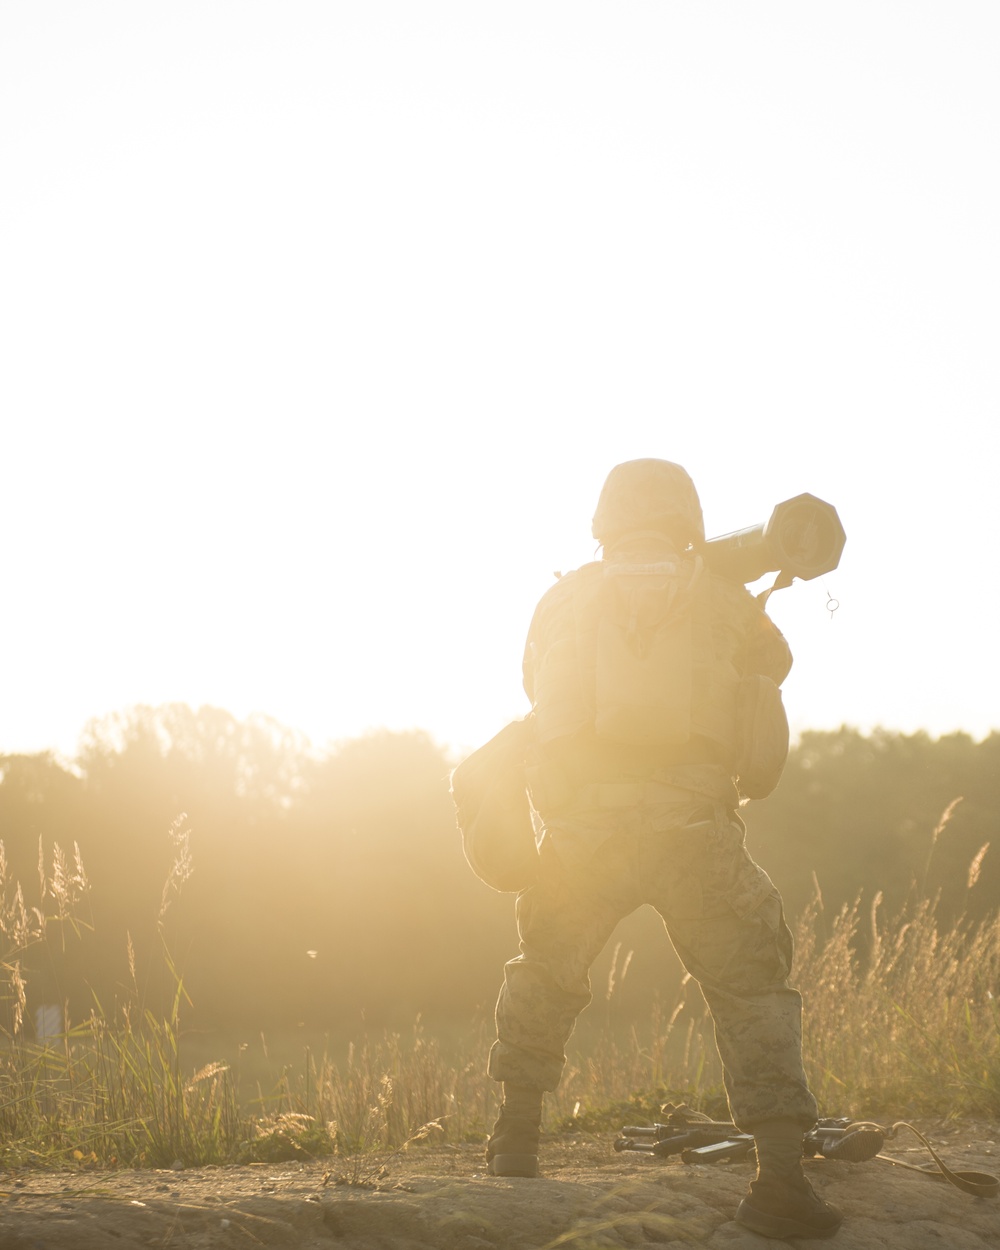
295	887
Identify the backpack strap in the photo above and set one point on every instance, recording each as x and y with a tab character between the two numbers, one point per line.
979	1184
781	582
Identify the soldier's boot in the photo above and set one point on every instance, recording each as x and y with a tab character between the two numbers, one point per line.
512	1149
781	1202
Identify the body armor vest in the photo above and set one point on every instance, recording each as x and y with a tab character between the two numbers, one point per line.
644	654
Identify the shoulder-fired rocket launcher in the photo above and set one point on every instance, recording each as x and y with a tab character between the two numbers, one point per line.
803	537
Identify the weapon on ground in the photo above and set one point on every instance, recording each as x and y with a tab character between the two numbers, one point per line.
845	1140
803	537
707	1141
702	1143
697	1139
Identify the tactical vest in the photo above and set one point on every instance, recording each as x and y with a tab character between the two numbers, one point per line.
643	654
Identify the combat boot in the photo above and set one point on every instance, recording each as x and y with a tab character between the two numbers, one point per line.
512	1149
781	1202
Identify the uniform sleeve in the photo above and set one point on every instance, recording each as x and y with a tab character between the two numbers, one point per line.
767	651
550	621
535	643
528	664
761	648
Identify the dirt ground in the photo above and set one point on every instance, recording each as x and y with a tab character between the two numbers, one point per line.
437	1196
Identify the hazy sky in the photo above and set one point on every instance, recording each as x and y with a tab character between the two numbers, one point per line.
322	323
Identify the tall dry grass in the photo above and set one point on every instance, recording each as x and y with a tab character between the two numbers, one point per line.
900	1013
901	1018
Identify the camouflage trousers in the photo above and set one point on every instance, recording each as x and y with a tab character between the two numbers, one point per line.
721	912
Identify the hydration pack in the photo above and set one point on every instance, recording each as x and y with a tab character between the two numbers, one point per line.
645	651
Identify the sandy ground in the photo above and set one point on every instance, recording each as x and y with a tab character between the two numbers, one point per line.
436	1196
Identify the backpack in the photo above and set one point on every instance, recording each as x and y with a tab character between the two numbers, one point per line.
494	817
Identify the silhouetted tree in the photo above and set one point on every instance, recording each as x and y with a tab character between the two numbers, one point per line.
331	885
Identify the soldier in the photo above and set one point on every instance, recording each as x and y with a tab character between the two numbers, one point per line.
653	684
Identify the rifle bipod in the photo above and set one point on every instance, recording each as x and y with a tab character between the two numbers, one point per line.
708	1141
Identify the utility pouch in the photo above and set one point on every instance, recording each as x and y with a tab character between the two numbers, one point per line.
491	801
762	734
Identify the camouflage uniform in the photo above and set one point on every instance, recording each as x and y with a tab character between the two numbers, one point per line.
622	826
723	916
653	683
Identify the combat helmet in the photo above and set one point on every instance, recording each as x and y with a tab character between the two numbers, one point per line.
648	495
